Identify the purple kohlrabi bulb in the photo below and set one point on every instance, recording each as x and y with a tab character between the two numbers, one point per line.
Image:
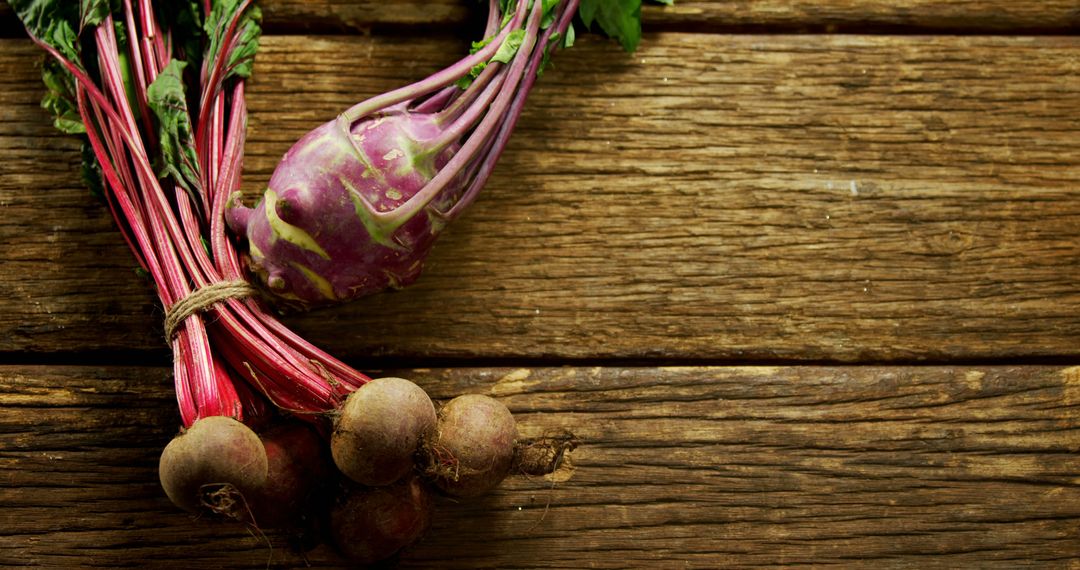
324	230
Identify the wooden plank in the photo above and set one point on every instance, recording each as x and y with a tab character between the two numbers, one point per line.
970	16
925	467
712	197
860	15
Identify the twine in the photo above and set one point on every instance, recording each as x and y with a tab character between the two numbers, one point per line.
202	300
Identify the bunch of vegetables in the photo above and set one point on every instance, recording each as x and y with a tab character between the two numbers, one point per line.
156	92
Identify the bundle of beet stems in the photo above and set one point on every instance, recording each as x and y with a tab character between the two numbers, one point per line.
156	91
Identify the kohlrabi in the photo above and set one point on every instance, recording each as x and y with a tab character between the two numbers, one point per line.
355	206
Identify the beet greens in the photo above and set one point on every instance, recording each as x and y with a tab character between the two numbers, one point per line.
156	91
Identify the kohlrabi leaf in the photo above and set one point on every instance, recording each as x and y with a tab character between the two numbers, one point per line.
166	99
467	80
509	46
568	41
553	42
620	19
549	13
477	46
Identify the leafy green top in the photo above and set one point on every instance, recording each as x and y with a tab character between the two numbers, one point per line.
620	19
196	38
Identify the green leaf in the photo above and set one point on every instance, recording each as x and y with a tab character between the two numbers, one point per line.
509	46
469	77
185	17
93	12
620	19
552	43
91	171
549	13
59	97
166	99
242	57
477	46
507	5
61	35
41	17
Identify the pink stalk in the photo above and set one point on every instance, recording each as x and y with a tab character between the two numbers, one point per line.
162	225
138	67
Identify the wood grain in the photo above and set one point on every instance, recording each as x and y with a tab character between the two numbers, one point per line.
970	16
688	467
713	197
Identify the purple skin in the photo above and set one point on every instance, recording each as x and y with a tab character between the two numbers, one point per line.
318	244
356	205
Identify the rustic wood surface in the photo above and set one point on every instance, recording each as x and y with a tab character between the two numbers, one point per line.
926	467
994	16
969	15
731	194
713	197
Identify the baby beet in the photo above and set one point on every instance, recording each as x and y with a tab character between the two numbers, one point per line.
379	430
297	465
373	524
216	465
473	446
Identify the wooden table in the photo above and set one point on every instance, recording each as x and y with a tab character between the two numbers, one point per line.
803	275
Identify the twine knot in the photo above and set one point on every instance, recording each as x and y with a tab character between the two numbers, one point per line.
203	299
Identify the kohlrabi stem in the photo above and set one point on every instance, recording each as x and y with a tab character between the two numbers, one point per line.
494	18
441	100
435	81
393	219
438	100
490	157
466	111
452	111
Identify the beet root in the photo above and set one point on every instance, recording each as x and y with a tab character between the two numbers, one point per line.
375	523
473	447
214	466
379	430
296	467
